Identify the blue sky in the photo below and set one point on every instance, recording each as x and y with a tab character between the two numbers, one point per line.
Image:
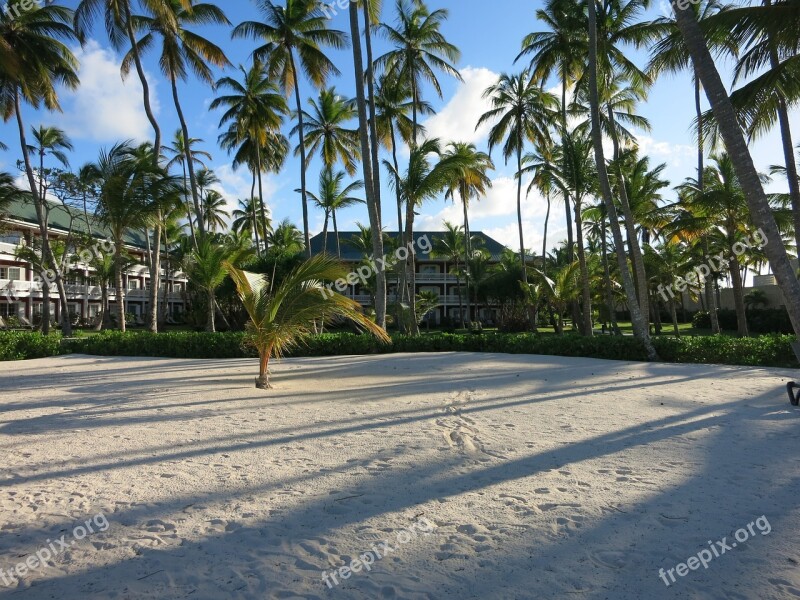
106	110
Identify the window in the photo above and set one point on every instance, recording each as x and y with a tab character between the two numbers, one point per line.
94	310
74	279
177	287
429	269
37	309
74	310
11	273
92	281
133	284
9	310
14	238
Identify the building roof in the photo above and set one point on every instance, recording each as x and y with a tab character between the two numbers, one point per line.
422	241
22	210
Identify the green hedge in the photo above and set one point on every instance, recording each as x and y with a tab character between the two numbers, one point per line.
771	350
22	345
774	350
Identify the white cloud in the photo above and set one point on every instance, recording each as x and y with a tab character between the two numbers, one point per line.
105	108
457	120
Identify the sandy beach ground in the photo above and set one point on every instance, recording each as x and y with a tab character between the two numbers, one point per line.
488	476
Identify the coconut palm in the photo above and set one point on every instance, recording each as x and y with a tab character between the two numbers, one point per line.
326	132
615	29
286	238
747	175
295	32
394	105
181	152
558	292
255	110
181	51
334	196
419	50
469	181
207	267
560	49
428	174
282	317
522	112
121	30
130	189
36	61
450	246
215	213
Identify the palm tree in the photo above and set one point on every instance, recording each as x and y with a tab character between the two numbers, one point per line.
255	109
297	30
182	152
559	291
36	61
562	50
128	191
54	142
421	181
741	159
244	221
326	133
469	180
420	49
282	317
394	105
207	267
671	54
182	50
215	213
639	319
370	169
286	238
451	247
334	196
121	29
522	112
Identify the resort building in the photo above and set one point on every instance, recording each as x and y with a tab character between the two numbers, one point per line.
21	283
433	273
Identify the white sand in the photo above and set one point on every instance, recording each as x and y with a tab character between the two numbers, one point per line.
545	477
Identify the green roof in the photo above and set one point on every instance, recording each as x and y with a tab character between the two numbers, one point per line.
21	210
351	253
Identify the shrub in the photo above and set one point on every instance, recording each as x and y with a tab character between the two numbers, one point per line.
24	345
770	350
763	320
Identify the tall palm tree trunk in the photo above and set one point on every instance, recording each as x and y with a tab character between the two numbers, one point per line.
373	122
586	292
262	208
336	234
519	212
189	162
639	321
373	205
544	236
637	259
302	148
609	295
708	284
567	208
120	285
402	289
746	172
738	297
41	217
467	248
254	213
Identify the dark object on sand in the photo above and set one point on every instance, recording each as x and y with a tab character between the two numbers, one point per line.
794	397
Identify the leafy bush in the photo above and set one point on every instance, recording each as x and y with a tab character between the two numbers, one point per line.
24	345
763	320
767	350
770	350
